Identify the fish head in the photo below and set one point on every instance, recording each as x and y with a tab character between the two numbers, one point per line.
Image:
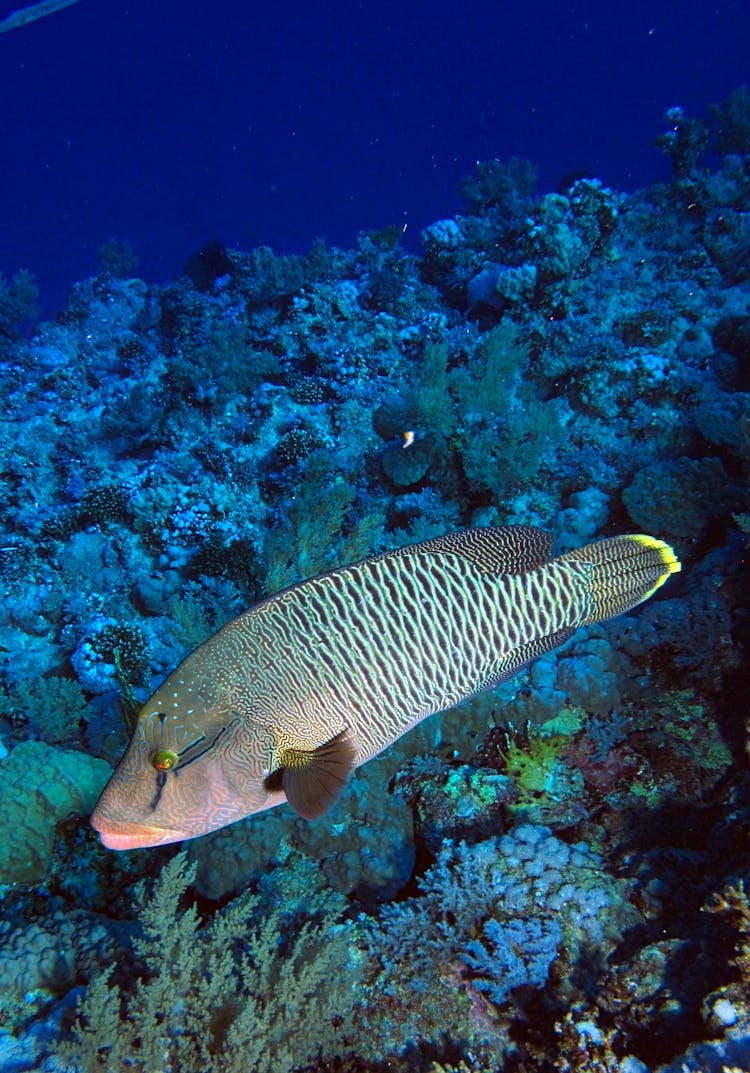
194	764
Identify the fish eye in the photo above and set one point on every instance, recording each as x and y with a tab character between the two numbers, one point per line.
164	759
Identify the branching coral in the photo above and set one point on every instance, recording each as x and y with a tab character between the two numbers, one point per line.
243	990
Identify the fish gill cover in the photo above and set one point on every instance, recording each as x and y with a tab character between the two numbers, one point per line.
551	876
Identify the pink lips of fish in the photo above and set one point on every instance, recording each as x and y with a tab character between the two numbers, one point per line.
121	823
119	835
266	710
134	837
212	801
123	834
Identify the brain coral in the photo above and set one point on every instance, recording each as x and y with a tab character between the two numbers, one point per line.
39	786
45	958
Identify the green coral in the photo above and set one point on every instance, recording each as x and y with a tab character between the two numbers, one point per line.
684	141
533	765
731	122
117	258
318	532
240	991
485	413
500	184
532	757
39	786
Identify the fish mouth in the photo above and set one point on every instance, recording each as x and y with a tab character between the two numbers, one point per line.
122	836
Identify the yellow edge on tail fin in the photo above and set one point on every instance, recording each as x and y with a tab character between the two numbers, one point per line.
672	564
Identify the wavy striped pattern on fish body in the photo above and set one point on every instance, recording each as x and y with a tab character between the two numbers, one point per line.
380	645
283	702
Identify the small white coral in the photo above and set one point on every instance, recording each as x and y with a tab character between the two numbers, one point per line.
442	235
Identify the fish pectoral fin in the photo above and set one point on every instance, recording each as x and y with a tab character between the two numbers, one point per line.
313	779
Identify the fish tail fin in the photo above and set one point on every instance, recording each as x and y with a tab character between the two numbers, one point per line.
625	571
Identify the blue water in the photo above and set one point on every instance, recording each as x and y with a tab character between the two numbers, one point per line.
174	124
530	308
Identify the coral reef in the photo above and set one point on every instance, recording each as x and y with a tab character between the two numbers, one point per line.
550	877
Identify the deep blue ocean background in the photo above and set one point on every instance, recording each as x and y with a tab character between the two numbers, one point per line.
284	287
173	125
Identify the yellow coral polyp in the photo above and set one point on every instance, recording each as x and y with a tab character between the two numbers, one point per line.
532	767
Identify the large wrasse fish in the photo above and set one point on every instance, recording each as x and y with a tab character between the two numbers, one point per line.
287	699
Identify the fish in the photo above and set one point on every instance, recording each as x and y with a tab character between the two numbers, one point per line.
286	700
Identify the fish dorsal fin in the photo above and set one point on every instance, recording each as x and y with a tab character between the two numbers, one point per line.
505	549
313	779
